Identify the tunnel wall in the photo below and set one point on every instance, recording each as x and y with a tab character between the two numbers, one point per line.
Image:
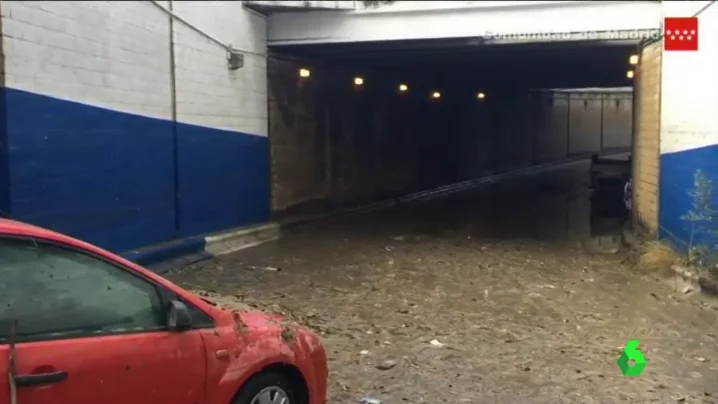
595	121
105	142
333	145
688	199
646	148
518	130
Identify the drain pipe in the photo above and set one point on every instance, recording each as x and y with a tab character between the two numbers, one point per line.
229	48
173	116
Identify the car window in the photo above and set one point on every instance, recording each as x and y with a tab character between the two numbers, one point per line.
56	292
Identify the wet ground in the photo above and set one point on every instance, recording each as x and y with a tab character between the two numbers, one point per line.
500	295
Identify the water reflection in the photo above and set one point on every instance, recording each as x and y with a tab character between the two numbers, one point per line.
557	206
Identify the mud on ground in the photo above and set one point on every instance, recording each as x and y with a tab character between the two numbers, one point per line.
420	306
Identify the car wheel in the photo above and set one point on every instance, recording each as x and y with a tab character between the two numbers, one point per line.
266	388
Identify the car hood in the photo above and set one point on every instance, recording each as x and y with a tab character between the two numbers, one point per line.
245	317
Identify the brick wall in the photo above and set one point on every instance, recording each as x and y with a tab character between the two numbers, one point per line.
207	92
111	54
647	137
117	55
92	89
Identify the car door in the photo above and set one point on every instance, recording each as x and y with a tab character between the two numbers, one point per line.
83	330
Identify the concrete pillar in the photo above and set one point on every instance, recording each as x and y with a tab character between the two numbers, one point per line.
647	136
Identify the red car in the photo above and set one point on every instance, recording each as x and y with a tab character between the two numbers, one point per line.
80	325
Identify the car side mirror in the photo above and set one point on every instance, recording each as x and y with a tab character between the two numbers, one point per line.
178	316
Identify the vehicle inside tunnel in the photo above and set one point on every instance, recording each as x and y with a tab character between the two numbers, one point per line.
358	123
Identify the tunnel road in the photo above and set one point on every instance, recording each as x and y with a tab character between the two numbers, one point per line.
499	295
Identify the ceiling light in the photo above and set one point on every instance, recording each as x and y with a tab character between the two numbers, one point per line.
403	87
304	73
481	96
436	95
633	60
629	74
358	81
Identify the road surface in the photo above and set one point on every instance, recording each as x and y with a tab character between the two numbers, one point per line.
498	295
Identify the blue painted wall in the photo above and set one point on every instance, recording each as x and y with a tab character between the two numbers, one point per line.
115	179
676	182
224	179
4	163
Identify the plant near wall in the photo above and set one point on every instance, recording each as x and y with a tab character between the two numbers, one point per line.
702	217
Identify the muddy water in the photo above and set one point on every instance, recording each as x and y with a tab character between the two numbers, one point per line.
510	294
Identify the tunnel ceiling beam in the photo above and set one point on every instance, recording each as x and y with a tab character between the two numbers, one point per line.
403	54
490	21
527	65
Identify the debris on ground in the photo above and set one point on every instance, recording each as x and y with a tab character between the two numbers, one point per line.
435	342
287	334
656	256
709	286
379	312
266	268
386	365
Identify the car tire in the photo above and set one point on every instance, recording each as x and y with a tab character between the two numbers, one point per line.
274	384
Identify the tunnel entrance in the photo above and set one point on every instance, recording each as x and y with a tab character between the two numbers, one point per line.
498	273
358	123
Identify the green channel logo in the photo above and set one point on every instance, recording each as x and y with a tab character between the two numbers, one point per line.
631	353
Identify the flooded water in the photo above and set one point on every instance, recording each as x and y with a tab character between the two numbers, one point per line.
510	293
555	207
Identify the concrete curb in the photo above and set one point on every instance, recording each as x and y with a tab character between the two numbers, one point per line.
165	256
239	239
165	251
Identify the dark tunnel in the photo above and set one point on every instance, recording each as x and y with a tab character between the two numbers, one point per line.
467	111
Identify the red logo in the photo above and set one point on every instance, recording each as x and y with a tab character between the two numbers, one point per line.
680	34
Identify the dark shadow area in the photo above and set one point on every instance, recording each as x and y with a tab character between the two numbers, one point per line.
556	206
468	110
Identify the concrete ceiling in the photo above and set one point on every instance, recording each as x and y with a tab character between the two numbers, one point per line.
554	64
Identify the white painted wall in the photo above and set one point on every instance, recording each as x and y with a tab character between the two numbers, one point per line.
436	20
116	55
110	54
688	130
689	85
208	93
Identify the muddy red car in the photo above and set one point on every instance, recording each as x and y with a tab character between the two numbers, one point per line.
80	325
